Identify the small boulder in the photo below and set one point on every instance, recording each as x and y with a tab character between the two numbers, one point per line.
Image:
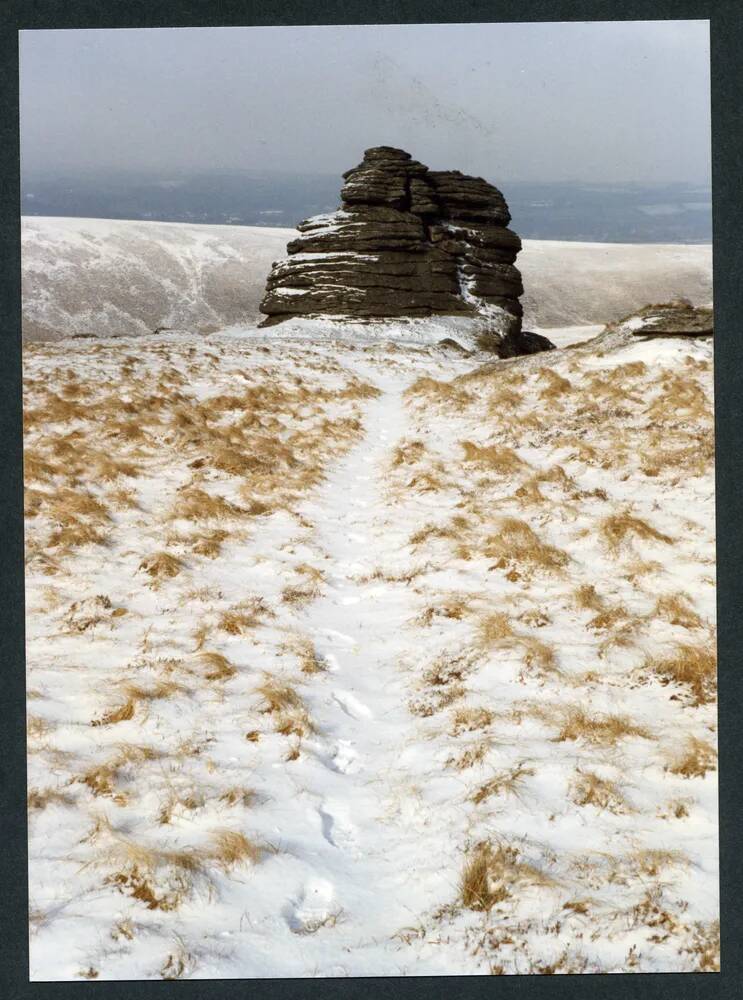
449	344
515	344
671	319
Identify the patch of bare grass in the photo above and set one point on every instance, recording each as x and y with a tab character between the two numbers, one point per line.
694	759
492	875
496	458
619	529
506	782
691	667
602	730
516	545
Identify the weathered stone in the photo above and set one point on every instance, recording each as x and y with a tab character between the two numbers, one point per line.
513	345
672	319
407	241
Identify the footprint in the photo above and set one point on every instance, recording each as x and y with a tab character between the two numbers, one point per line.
313	908
346	758
349	599
340	638
352	706
331	662
328	822
337	826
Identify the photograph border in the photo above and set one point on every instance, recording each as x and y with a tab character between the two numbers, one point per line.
726	38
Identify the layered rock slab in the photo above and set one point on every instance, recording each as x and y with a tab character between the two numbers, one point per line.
407	241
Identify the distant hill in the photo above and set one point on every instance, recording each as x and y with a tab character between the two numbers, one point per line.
106	278
598	213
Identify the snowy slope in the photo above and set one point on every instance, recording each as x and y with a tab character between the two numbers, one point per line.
356	659
102	277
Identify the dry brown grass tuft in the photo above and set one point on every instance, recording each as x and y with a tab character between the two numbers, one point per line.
491	875
89	612
453	606
529	493
300	595
516	543
133	695
506	782
694	667
123	713
602	730
681	395
40	798
231	848
588	599
652	861
278	696
694	760
310	661
160	879
123	499
283	701
36	467
676	609
101	780
238	620
439	392
209	543
74	535
195	504
450	531
618	529
503	400
408	453
237	795
497	458
591	790
556	385
161	565
68	504
469	720
704	946
495	631
218	666
473	755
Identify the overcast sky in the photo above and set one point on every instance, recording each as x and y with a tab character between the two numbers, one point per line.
602	101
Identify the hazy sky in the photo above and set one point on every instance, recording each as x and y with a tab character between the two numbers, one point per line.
602	101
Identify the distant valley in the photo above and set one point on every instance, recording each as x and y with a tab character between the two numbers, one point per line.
601	213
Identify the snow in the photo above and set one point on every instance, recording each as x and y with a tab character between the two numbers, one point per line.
363	808
111	278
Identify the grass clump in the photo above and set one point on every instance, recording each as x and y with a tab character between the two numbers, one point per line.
161	565
497	458
676	609
495	631
492	874
589	789
692	667
619	529
601	730
695	759
516	543
218	667
195	504
284	702
506	782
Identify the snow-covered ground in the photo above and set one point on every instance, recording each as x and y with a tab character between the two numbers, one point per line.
103	277
369	658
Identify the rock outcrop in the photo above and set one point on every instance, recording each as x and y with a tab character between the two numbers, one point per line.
407	241
514	345
672	319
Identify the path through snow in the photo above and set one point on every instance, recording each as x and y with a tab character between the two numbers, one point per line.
364	790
